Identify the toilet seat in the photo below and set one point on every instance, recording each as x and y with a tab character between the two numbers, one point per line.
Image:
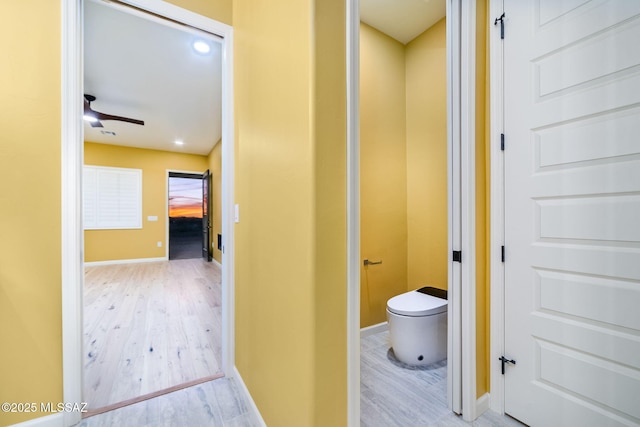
416	304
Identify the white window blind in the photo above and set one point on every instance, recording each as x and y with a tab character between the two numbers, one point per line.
112	198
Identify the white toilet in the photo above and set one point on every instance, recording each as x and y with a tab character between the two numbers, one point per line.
418	326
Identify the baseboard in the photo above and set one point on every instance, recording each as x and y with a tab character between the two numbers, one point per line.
374	329
53	420
216	262
252	405
124	261
482	404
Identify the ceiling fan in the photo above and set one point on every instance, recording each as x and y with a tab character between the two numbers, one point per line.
94	117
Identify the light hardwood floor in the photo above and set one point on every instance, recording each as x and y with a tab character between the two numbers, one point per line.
149	327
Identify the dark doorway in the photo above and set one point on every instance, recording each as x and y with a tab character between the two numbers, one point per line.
187	211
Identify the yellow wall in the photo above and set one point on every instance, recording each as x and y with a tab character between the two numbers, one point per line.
104	245
330	209
290	187
427	158
403	161
383	173
291	273
220	10
30	272
482	200
290	169
214	160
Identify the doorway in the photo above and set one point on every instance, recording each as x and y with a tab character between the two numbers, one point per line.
149	327
403	196
189	218
461	271
72	160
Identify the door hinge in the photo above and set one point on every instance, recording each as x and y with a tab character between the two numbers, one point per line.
502	253
501	20
504	360
457	256
502	141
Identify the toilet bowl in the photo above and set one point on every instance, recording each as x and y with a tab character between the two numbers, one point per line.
418	326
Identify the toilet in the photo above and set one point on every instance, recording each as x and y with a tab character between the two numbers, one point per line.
418	326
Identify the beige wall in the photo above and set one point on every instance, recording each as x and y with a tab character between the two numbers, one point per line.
106	245
383	173
427	159
290	187
214	160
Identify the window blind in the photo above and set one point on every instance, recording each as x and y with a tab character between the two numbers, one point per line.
112	198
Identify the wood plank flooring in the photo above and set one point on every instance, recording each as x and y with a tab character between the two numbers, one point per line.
149	327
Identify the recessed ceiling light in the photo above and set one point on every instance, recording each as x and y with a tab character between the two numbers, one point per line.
201	46
178	142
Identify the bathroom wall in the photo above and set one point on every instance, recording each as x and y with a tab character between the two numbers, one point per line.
427	159
383	173
403	153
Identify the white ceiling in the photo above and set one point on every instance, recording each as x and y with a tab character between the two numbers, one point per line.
145	68
403	20
142	67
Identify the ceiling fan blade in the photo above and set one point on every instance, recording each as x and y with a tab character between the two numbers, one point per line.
88	111
103	116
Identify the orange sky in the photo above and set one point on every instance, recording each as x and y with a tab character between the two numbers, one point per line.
185	197
186	211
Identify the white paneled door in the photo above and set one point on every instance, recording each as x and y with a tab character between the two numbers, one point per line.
572	211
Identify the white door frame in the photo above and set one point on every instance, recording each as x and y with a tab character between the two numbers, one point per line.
496	328
461	205
71	163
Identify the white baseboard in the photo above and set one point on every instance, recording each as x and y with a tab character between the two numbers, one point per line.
374	329
253	408
216	262
124	261
482	404
53	420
